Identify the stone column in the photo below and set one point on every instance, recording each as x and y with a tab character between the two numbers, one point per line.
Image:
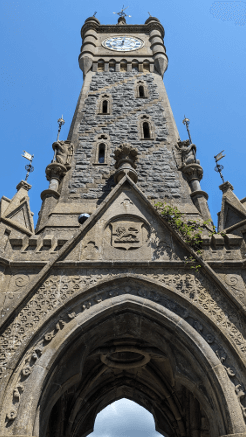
54	174
194	174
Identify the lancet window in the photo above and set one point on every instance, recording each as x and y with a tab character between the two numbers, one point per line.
101	153
146	128
104	104
141	90
101	149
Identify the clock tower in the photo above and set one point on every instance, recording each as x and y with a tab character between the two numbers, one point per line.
123	100
112	297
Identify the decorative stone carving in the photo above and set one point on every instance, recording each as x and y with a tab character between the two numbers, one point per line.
58	290
63	152
90	251
236	284
240	394
126	157
128	233
188	152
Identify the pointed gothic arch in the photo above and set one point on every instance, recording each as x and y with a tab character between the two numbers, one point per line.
101	150
146	127
105	104
123	324
141	90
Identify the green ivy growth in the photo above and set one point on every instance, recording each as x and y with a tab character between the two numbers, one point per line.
190	231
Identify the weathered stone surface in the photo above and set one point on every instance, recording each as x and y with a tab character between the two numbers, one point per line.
121	305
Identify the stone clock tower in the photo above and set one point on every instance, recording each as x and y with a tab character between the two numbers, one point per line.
108	298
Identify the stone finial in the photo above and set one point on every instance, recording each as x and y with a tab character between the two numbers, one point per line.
226	186
24	185
125	157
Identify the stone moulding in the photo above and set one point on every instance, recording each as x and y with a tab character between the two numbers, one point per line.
82	231
65	327
59	291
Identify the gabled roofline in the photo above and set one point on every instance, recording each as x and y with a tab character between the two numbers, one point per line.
36	282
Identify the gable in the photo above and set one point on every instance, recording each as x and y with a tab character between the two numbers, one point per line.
22	216
232	215
128	229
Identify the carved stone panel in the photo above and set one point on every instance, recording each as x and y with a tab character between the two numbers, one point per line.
128	233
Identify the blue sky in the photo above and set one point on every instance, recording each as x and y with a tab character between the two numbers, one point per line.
40	80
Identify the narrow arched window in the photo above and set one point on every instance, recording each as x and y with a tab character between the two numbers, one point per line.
105	107
101	153
146	66
141	91
111	66
100	66
135	66
146	131
123	66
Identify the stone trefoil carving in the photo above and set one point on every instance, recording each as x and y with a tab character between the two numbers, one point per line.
126	157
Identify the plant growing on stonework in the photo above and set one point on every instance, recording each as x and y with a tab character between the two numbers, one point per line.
190	230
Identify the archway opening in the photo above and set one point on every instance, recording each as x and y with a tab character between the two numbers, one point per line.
126	418
141	367
120	354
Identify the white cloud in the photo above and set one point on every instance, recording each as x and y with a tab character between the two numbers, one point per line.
124	418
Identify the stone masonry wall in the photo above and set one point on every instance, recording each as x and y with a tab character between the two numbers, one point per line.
156	167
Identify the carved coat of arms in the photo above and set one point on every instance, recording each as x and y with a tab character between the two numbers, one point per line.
127	234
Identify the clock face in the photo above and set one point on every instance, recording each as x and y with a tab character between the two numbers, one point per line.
123	43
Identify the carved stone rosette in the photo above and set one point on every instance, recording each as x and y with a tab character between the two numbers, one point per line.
125	157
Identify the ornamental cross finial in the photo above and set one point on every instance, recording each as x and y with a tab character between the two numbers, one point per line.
122	13
219	167
94	14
